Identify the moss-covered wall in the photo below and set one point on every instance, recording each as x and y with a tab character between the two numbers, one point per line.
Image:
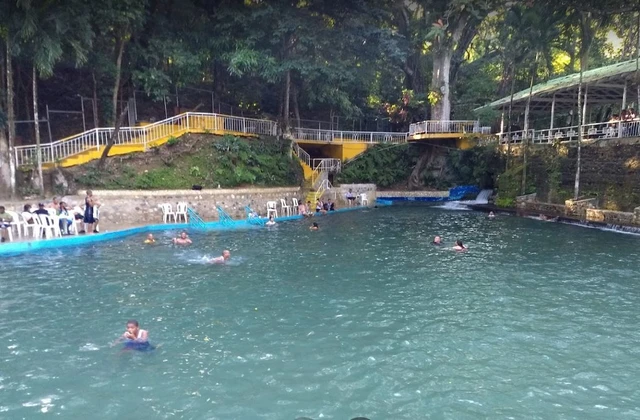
609	172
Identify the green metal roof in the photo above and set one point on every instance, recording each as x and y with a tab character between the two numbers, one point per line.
605	85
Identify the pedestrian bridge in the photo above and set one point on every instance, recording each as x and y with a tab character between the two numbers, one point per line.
336	144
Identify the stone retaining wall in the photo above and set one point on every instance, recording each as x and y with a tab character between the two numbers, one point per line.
127	208
338	193
610	217
426	194
548	209
578	208
143	206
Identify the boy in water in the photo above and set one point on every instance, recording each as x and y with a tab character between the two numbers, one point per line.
226	255
134	333
150	239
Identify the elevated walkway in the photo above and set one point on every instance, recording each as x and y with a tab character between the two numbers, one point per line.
336	144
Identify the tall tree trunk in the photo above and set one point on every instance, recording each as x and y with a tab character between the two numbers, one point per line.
36	126
11	118
287	96
296	108
116	84
114	135
117	120
5	173
525	150
441	106
638	63
576	185
513	85
96	118
415	179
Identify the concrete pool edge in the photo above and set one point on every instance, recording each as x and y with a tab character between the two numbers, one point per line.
23	247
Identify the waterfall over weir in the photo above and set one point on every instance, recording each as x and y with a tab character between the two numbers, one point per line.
481	198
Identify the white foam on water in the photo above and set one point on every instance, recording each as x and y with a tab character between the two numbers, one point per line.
482	198
89	347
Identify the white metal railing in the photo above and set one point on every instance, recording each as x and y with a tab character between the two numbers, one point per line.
593	131
98	138
348	136
301	153
327	165
439	127
324	186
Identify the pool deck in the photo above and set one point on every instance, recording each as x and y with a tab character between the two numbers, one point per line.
25	246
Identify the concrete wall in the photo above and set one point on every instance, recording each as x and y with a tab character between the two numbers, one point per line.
127	208
421	194
610	217
534	207
338	193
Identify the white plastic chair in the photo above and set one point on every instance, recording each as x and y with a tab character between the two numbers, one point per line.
363	199
50	225
181	212
16	222
35	226
167	212
272	209
295	205
285	208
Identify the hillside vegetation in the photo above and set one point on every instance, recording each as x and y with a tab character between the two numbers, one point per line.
205	160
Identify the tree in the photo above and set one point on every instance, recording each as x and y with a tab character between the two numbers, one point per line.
454	25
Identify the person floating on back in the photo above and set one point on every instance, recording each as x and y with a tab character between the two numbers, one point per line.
437	241
150	239
226	255
314	226
182	240
459	246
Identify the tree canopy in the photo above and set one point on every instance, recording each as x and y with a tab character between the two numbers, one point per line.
374	64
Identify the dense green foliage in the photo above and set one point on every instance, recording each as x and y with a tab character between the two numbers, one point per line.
381	165
227	162
476	166
391	165
383	62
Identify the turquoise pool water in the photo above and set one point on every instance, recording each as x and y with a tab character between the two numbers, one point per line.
361	318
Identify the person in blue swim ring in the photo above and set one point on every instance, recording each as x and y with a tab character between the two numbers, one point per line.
135	338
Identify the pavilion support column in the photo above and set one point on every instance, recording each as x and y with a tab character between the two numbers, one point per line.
553	111
624	97
584	106
502	122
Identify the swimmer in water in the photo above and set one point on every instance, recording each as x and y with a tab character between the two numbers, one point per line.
134	334
226	255
459	246
182	240
491	215
314	226
150	239
270	222
437	241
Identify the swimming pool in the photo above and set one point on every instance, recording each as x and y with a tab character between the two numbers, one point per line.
361	318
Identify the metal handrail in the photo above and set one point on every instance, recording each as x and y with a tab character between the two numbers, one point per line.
195	220
341	136
593	131
301	153
97	138
439	127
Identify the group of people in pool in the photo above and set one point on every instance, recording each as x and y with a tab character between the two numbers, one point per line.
459	246
184	239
